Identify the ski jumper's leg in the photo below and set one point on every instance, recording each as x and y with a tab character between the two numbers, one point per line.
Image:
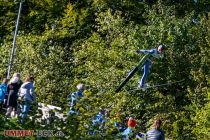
146	72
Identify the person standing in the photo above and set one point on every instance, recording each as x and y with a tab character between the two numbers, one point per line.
27	95
156	132
3	92
12	89
129	132
75	97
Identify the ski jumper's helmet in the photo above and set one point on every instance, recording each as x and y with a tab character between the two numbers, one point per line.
161	47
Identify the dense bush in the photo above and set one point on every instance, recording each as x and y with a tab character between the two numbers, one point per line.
63	43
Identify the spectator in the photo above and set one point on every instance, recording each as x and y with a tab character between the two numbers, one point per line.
27	95
12	89
129	131
99	121
75	97
3	92
100	118
156	133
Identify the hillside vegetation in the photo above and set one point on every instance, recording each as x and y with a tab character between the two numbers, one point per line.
66	42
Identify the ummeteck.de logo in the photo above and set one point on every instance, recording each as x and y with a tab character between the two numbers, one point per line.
37	133
18	133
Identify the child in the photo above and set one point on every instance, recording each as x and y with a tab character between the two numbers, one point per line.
129	131
75	97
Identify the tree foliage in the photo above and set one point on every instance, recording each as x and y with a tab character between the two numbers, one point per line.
63	43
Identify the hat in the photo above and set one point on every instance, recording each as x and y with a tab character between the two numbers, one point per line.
81	86
131	122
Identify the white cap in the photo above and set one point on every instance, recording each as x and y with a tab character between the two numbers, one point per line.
130	118
81	86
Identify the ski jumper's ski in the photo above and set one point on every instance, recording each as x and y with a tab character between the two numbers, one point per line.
130	75
160	85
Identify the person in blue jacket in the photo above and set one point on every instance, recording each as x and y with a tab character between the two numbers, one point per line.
129	131
75	97
3	92
154	53
99	118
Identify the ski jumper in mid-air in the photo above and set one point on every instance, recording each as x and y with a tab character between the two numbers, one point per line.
145	62
154	53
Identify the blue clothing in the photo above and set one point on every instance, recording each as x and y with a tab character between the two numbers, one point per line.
141	135
3	91
146	72
147	64
99	118
24	112
155	134
78	93
25	109
27	94
75	97
153	52
121	128
127	133
117	124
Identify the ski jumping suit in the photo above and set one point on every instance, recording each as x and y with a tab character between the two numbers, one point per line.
147	64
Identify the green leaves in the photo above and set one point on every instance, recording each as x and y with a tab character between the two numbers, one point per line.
67	42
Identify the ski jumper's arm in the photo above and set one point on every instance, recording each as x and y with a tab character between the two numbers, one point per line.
146	51
153	52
